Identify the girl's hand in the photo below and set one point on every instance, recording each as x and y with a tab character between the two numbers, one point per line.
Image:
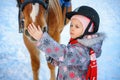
35	32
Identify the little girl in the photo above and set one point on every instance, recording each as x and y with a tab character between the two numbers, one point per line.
77	60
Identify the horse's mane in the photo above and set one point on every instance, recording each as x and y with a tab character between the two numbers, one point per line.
55	12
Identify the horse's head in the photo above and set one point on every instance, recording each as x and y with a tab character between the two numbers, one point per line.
32	11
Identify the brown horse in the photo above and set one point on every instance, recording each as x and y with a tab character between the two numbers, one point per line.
48	14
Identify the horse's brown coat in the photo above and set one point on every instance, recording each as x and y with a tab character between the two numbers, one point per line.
55	22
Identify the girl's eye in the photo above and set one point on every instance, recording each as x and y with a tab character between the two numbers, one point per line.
77	26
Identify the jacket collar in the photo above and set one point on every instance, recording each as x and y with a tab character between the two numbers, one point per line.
90	42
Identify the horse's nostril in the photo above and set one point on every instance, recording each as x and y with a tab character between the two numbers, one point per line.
33	39
26	32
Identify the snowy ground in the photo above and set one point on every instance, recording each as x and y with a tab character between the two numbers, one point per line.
14	57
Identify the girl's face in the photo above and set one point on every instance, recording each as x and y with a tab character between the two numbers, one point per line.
76	28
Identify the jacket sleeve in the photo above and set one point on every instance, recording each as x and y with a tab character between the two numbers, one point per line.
68	55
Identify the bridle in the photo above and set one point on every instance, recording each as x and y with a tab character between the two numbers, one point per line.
21	6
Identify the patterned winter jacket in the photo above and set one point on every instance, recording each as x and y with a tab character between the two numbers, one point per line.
73	59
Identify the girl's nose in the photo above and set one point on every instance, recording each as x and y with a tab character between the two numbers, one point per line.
72	28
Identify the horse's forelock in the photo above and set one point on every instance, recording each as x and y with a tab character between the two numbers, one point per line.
34	14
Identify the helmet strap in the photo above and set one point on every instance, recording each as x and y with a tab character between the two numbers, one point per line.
86	31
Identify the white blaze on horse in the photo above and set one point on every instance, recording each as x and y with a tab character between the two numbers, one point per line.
50	15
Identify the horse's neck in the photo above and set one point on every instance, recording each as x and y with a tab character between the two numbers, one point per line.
55	12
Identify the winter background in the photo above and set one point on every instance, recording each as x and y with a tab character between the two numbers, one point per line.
15	59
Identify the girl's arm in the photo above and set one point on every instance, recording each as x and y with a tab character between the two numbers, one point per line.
68	55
